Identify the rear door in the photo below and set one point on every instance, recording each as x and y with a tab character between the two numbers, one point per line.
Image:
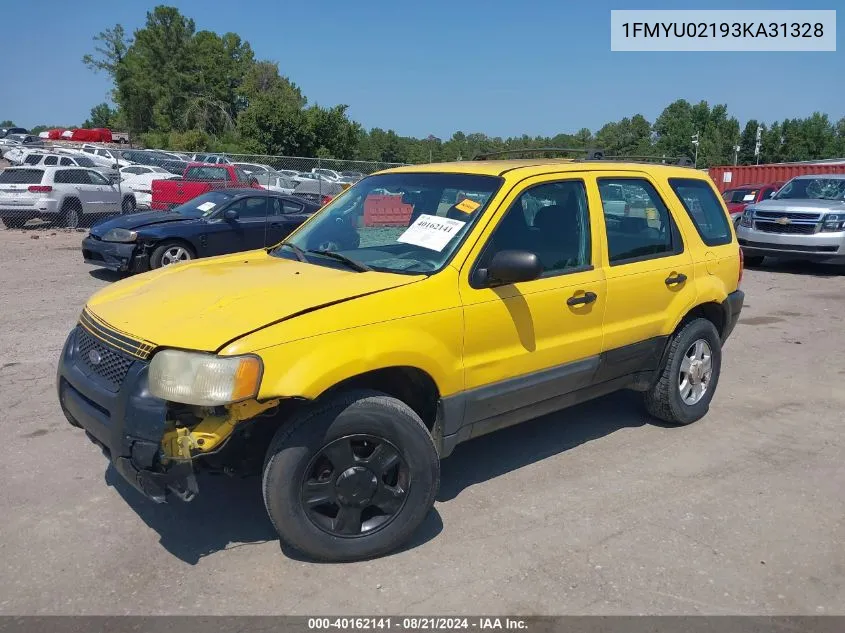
649	273
109	196
283	216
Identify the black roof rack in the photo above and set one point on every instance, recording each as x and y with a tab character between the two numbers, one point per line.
590	155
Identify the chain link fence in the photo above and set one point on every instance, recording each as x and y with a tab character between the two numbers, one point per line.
55	188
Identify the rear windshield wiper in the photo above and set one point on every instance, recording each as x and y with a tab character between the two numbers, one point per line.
300	254
355	265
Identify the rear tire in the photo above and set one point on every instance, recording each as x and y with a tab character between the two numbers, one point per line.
754	260
128	205
352	478
14	223
171	252
71	214
688	380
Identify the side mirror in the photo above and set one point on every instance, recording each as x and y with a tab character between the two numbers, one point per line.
115	166
253	181
231	214
510	267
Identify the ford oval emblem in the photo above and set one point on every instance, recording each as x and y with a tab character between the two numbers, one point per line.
95	357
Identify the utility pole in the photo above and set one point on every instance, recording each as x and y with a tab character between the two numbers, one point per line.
695	142
758	143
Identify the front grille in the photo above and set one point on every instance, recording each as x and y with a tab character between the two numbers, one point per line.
792	229
112	365
774	215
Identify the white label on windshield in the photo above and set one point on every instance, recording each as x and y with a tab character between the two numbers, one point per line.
748	197
206	206
431	232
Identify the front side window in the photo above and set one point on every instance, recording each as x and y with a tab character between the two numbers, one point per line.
33	159
51	160
251	208
401	222
84	161
65	161
552	221
704	210
97	178
640	229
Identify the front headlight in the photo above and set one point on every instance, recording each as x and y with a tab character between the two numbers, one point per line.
120	235
746	217
834	222
204	379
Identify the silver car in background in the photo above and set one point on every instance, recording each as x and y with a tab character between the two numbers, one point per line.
805	219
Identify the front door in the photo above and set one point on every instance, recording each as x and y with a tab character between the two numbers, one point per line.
531	342
649	274
107	193
245	233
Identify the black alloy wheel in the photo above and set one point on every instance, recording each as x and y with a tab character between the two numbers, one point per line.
355	485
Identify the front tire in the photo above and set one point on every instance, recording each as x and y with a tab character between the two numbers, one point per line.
688	380
352	478
170	253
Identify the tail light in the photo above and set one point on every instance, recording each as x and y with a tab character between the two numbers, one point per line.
741	266
39	188
324	200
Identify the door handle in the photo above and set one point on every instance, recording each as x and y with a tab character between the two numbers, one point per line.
275	225
677	279
580	300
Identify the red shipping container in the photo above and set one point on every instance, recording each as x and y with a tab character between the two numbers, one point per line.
386	211
732	176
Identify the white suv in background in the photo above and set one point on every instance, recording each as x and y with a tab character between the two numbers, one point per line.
105	157
41	158
70	196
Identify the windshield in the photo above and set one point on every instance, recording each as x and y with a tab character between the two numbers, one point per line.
204	205
402	223
808	188
740	195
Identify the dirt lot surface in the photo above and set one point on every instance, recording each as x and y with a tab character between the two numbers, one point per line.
596	510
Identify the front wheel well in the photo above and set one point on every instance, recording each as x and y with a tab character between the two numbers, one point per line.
411	385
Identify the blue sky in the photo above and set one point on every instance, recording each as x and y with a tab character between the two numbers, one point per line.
433	67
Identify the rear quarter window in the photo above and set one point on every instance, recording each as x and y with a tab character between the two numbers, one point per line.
704	209
21	176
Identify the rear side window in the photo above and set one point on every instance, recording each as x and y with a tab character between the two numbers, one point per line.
704	210
206	173
639	225
21	176
51	160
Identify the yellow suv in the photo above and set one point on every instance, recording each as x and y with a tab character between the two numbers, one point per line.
422	307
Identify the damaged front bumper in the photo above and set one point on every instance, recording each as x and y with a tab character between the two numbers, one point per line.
111	401
117	256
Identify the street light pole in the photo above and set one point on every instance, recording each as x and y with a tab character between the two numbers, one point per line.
695	142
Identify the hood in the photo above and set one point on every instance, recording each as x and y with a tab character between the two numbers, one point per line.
135	221
206	303
798	205
736	207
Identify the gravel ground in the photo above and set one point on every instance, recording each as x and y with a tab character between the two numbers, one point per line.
595	510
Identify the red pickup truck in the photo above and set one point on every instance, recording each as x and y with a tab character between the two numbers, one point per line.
197	179
741	196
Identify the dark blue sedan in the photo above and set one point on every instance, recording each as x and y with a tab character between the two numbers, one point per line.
215	223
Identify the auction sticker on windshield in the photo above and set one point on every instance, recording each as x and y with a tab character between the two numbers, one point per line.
206	206
431	232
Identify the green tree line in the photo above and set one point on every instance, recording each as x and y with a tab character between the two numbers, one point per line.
178	88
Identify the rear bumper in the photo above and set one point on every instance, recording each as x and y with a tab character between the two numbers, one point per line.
732	307
115	256
818	246
34	209
127	425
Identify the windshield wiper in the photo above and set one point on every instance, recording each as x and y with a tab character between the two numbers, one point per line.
355	265
300	254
